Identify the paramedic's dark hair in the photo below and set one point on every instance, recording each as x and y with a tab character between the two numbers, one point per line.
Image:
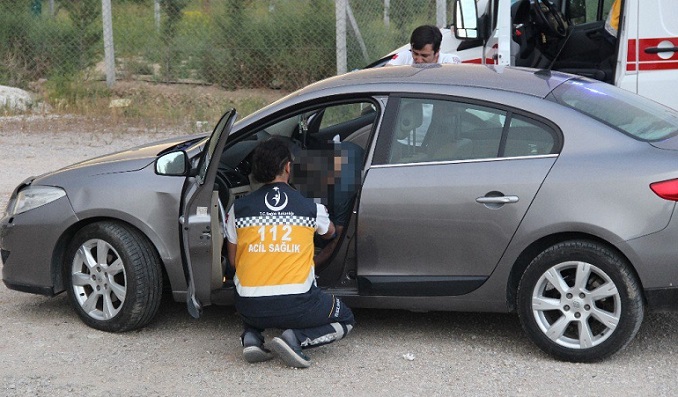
269	159
426	34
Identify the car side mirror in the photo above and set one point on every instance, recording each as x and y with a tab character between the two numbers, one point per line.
466	20
173	164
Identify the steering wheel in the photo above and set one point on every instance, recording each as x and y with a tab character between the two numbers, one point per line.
548	16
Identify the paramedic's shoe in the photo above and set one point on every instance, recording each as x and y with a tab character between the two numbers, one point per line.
254	350
288	349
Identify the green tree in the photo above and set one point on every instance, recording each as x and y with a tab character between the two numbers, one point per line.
281	44
85	17
38	46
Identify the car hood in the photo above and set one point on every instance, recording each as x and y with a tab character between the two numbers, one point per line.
128	160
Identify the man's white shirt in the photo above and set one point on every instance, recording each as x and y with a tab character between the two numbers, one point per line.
405	58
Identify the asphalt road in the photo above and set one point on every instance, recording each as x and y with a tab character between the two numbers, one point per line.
47	351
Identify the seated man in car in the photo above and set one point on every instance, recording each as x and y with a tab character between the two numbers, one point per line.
333	178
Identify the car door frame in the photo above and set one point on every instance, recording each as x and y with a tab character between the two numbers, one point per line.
196	219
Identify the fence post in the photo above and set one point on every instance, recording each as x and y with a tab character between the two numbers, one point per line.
340	23
109	53
441	13
356	30
156	14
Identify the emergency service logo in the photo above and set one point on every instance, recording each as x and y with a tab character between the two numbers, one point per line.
275	205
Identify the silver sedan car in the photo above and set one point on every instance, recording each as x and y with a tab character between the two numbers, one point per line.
460	188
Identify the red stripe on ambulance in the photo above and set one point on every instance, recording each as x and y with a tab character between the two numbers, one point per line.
642	54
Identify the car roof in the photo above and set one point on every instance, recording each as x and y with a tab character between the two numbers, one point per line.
411	78
423	79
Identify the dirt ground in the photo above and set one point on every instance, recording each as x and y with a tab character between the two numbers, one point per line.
47	351
33	145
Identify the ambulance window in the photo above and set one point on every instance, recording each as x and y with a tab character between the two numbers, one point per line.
578	12
629	113
582	11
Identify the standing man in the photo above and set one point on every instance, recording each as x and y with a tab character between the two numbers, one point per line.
270	243
424	48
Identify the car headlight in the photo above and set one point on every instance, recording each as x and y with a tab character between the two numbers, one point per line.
33	197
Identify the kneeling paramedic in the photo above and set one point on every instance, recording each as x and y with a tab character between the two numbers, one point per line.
270	243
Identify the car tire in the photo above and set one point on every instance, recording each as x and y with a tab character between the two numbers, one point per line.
113	277
595	310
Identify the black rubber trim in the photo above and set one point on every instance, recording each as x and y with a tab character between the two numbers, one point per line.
662	299
418	285
31	289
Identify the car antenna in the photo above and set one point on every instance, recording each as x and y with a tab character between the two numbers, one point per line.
547	71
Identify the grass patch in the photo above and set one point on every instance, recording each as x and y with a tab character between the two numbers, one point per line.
152	105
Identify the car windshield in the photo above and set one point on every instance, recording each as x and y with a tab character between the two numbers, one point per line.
627	112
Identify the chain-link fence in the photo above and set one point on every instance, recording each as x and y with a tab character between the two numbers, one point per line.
231	43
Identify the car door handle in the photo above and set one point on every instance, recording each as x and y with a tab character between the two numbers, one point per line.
497	200
657	50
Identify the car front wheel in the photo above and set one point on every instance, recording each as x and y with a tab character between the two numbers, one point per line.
579	301
113	277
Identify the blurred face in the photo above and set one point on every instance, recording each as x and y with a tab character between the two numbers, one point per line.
425	54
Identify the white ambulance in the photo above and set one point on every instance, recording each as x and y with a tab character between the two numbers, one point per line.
571	36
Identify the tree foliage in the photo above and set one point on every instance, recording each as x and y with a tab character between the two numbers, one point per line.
36	46
173	12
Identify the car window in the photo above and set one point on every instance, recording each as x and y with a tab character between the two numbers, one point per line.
340	122
526	137
338	114
439	130
334	122
627	112
585	11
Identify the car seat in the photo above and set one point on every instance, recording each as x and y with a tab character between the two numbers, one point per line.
443	140
410	117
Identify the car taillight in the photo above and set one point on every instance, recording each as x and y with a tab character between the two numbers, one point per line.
668	190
